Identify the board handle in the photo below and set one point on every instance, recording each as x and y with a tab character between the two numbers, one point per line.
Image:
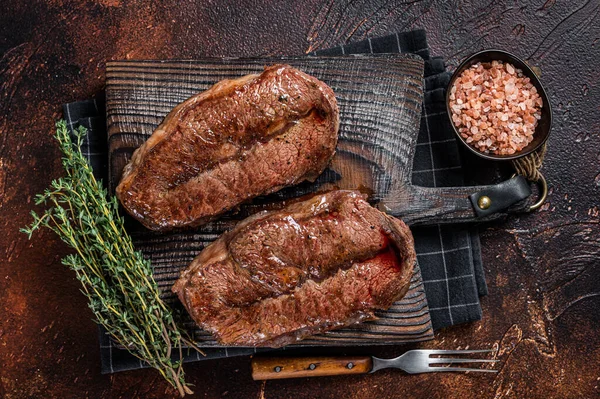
274	368
432	205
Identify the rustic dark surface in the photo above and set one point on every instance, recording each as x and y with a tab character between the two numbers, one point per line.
543	269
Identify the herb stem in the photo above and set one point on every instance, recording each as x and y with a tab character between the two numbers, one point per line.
115	278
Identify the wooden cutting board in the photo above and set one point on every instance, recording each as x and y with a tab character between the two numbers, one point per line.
380	107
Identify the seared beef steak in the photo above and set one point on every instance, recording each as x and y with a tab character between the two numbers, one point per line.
313	266
240	139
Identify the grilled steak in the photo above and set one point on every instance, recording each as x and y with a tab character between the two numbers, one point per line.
313	266
240	139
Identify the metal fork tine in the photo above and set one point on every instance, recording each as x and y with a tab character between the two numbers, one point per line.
457	352
420	361
433	360
460	369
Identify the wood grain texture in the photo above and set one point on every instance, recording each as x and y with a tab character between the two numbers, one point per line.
276	368
407	320
542	315
380	107
379	99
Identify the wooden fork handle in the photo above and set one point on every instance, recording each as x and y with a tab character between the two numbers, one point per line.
271	368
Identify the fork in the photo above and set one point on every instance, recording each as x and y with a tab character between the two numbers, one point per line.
412	362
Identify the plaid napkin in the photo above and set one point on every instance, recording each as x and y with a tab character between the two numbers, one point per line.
449	256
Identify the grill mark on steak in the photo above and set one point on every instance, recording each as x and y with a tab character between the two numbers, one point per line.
360	260
301	241
229	152
346	298
267	131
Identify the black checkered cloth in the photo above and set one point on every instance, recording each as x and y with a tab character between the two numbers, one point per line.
449	256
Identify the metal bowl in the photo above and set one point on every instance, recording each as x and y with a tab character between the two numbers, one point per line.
542	130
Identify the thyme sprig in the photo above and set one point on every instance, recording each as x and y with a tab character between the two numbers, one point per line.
115	277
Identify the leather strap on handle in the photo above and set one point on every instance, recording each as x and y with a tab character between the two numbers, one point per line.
418	205
496	198
273	368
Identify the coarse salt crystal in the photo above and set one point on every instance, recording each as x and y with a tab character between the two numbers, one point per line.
495	108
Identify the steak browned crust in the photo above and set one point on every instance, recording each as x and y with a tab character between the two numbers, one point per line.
240	139
313	266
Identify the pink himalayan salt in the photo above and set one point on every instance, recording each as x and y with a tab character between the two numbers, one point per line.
495	108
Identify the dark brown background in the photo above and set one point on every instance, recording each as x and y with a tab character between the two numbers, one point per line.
543	269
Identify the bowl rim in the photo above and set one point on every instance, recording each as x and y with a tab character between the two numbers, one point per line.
529	73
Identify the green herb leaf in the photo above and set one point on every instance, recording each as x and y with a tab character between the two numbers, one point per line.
116	279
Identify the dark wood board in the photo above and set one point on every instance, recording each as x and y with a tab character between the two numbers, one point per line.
542	314
380	107
380	101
